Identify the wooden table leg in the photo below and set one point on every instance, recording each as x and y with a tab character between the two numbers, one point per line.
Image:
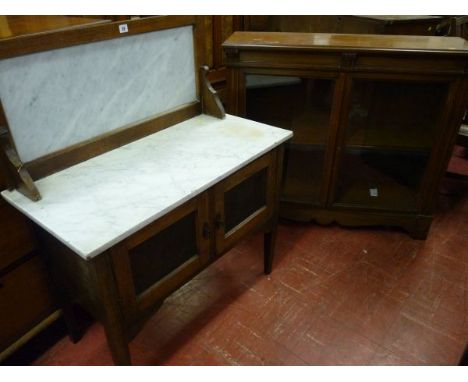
118	345
269	241
269	238
117	341
111	314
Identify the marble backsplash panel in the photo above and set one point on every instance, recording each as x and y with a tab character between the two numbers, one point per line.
58	98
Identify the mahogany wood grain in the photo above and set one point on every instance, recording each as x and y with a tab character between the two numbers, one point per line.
20	25
406	62
362	24
211	103
55	39
330	42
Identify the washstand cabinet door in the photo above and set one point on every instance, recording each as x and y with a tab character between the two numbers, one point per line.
161	257
244	201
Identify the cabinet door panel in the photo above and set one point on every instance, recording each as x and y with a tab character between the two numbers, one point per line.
174	245
157	260
387	143
303	105
243	201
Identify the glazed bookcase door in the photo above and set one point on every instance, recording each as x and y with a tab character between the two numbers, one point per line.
386	142
237	215
302	104
157	260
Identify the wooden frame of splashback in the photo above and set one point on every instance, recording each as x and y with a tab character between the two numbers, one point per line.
207	101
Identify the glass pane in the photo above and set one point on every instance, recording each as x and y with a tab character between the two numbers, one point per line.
164	252
394	114
245	199
391	127
304	169
302	105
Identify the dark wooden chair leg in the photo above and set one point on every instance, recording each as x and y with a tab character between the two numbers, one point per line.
269	241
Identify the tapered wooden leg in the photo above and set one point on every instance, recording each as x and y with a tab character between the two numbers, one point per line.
118	346
269	238
111	311
269	241
117	341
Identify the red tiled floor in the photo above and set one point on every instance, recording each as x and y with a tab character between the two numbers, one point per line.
336	296
420	340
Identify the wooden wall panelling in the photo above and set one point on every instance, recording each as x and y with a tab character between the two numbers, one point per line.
16	25
398	25
459	26
55	39
218	29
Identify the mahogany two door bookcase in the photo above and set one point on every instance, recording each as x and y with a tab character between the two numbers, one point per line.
374	119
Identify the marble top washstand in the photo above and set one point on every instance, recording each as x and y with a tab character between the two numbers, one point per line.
97	203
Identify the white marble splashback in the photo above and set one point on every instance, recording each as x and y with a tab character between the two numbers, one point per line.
57	98
99	202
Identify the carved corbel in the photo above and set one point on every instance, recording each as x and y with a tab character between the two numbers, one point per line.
17	175
211	104
348	60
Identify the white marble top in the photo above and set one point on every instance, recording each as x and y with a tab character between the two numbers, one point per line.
97	203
